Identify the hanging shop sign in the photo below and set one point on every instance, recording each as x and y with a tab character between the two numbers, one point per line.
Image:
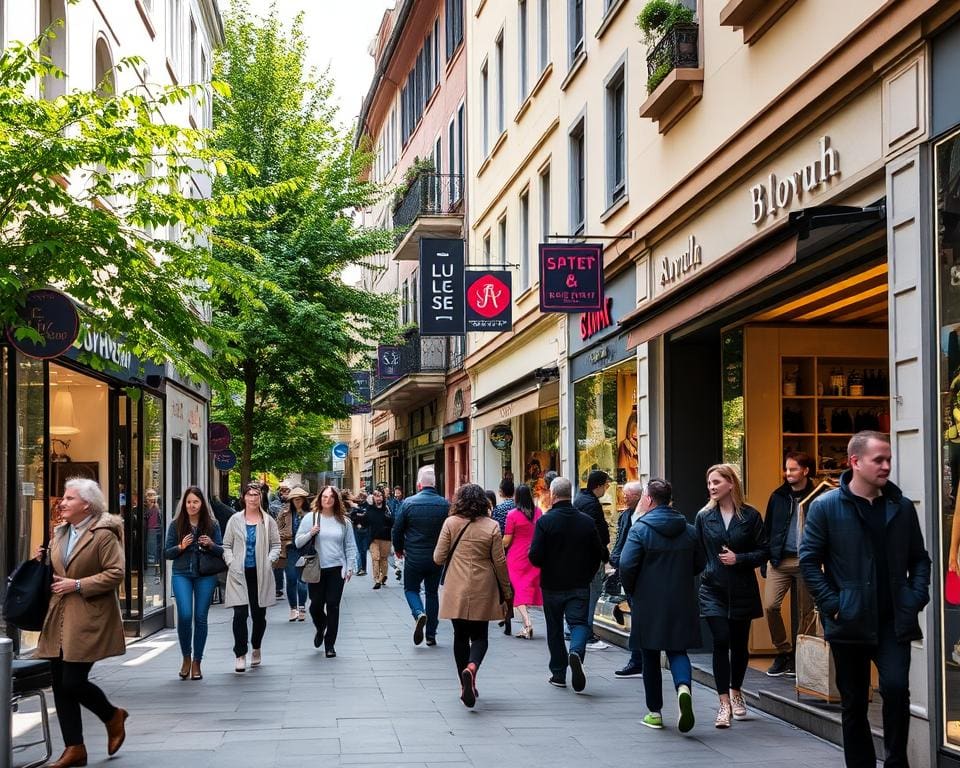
571	277
674	269
779	194
501	437
441	287
357	399
489	301
389	362
218	437
54	317
225	460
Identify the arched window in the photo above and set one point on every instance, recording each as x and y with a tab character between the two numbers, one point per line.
53	16
104	79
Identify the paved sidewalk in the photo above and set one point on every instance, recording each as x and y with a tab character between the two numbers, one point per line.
383	702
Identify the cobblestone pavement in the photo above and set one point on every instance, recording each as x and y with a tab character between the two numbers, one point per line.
384	702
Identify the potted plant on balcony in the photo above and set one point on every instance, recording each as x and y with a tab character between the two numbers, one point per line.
658	19
418	168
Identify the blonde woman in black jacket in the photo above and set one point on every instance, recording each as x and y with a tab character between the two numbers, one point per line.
734	544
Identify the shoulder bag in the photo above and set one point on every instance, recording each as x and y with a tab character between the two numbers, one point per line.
210	563
28	593
308	566
446	563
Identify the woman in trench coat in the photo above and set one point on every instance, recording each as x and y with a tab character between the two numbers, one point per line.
251	545
476	587
83	622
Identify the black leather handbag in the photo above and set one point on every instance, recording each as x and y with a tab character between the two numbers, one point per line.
28	594
210	563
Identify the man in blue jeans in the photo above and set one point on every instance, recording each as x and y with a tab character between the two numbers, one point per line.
566	548
416	530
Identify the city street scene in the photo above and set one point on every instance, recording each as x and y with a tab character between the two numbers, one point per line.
475	382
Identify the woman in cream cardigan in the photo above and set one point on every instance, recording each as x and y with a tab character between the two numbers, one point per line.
251	545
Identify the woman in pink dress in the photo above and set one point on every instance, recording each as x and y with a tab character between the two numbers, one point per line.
524	576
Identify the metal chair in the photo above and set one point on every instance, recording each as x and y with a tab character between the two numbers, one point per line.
30	677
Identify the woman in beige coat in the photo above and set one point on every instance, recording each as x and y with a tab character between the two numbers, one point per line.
83	623
476	586
251	545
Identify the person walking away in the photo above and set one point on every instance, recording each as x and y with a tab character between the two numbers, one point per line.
380	523
361	530
499	511
588	502
476	586
524	576
658	567
191	532
288	522
83	622
863	559
731	535
277	504
416	531
332	534
567	549
251	545
781	525
632	494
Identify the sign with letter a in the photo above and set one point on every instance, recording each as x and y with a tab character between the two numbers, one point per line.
441	287
489	301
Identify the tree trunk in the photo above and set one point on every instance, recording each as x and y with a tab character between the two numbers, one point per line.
249	399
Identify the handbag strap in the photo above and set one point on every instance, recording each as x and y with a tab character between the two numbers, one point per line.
455	542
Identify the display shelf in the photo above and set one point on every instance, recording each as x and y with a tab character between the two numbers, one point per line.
854	398
799	434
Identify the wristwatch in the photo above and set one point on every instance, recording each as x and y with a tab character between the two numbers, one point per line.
78	585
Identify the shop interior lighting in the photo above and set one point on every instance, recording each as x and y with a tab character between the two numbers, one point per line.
62	418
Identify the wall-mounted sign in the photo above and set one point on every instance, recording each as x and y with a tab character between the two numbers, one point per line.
674	269
225	460
389	362
571	277
501	437
218	437
591	323
458	427
52	315
779	194
357	399
340	451
441	287
489	301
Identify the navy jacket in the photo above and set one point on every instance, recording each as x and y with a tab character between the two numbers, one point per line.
731	591
566	548
188	561
417	525
838	563
623	528
781	514
658	567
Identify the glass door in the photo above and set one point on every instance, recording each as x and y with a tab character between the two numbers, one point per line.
120	496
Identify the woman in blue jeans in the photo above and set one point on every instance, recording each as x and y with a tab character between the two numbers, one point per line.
192	530
288	521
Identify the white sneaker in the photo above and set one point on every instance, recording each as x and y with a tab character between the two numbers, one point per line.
597	645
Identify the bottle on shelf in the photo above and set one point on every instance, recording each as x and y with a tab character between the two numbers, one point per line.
855	384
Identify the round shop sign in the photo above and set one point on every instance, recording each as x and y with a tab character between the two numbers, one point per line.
340	451
51	314
225	460
218	437
501	437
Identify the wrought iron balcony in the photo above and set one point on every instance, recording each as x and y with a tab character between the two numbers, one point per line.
678	49
432	207
423	366
675	77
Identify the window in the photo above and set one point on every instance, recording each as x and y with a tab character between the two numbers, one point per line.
575	23
453	17
455	155
544	204
525	240
486	250
436	51
502	238
104	79
53	15
485	108
405	303
616	137
501	108
544	41
414	304
522	48
578	196
174	34
461	126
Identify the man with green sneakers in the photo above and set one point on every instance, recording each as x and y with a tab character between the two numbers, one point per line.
658	567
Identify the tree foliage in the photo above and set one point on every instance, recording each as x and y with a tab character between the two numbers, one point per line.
292	351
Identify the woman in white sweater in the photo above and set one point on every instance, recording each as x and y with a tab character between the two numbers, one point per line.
331	533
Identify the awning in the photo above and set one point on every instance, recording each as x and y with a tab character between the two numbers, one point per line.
517	404
367	470
708	292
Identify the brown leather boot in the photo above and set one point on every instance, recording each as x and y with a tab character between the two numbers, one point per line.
116	732
71	756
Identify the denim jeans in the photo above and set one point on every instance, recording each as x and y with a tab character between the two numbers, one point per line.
193	595
296	597
571	605
363	544
596	589
278	578
428	575
680	670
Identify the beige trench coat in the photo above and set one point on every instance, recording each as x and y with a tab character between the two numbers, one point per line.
86	625
470	588
234	553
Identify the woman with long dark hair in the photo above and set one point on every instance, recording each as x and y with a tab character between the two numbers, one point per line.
524	575
731	536
331	532
476	586
192	531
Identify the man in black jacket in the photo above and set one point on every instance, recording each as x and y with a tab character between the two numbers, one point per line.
588	502
863	559
567	550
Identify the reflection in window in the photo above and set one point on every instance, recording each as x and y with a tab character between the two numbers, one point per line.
732	388
154	505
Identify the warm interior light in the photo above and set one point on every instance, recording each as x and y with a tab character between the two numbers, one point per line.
62	419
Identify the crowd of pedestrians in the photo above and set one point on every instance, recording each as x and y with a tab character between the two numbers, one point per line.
858	549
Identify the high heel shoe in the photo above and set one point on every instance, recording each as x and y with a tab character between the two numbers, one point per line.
526	633
195	673
185	668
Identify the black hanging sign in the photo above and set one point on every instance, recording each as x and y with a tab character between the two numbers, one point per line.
51	315
358	398
489	301
388	362
441	287
571	277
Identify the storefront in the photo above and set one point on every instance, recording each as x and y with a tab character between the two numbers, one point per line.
456	435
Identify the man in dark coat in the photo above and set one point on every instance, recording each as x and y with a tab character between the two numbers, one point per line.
416	530
588	502
863	559
567	550
632	494
658	567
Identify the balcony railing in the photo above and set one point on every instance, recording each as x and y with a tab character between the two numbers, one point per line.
417	355
678	49
432	194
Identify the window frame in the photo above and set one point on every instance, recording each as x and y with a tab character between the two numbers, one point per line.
616	132
523	232
523	50
577	138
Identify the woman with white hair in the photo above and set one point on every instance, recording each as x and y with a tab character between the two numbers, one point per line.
83	623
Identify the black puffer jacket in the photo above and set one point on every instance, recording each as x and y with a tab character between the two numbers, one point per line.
587	502
781	514
837	560
731	590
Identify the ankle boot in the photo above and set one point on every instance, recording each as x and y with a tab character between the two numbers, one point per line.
71	756
116	732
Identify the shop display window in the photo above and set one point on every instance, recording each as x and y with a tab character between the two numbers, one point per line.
156	510
947	179
734	425
541	448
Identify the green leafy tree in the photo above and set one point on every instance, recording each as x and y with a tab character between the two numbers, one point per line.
292	351
89	184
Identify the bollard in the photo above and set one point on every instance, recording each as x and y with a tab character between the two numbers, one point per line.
6	693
